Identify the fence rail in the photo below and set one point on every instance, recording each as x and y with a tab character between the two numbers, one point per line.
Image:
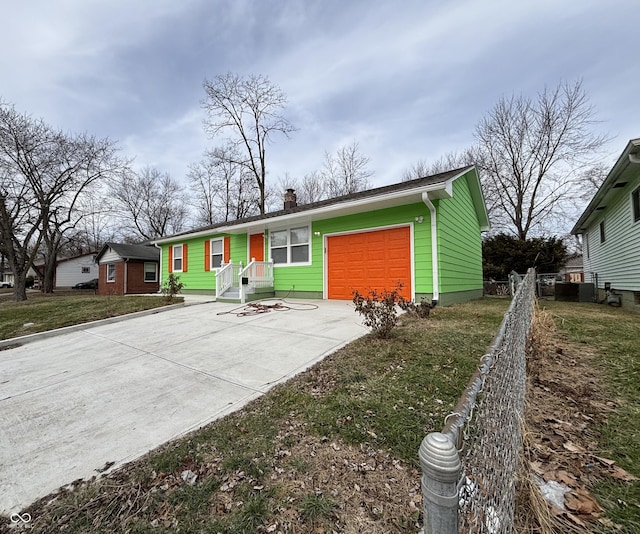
469	469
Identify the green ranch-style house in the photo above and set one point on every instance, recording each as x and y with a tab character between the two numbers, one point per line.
423	233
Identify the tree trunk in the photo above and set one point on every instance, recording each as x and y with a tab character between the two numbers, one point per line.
20	287
49	273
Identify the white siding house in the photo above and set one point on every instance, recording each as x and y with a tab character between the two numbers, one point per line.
610	229
71	271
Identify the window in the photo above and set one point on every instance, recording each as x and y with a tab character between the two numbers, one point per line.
586	243
111	272
150	272
635	199
290	246
86	270
602	236
217	253
177	258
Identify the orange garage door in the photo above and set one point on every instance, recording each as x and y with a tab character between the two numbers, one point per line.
369	260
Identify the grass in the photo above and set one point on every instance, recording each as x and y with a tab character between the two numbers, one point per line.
335	448
614	334
47	312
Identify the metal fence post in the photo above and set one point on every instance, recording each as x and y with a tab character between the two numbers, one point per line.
440	475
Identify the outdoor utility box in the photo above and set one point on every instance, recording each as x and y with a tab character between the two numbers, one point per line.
586	292
566	292
572	292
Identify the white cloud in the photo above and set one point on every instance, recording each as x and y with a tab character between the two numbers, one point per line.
407	81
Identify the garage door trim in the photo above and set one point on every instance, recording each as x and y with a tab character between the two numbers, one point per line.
325	275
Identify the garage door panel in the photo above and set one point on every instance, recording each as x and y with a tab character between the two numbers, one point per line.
369	260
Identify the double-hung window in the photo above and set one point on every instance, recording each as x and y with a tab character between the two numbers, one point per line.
217	253
150	272
290	246
111	272
177	258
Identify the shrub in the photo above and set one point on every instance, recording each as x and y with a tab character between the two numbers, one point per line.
172	287
379	309
422	310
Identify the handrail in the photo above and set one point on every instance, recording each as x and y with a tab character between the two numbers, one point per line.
224	278
258	274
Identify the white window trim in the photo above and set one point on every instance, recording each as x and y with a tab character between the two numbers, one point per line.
144	271
173	258
289	245
112	280
211	267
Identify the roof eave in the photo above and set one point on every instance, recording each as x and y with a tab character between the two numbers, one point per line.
338	206
618	168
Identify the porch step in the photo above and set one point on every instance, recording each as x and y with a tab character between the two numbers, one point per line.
233	294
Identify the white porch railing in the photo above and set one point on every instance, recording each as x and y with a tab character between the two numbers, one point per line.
258	274
227	276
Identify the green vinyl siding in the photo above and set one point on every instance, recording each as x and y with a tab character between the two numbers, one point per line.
196	277
310	277
459	242
238	249
459	248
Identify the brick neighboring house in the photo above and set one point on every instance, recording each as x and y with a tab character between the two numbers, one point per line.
128	269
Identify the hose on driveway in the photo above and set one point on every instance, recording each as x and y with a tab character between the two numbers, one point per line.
258	307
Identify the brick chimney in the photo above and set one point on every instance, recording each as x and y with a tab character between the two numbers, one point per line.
290	200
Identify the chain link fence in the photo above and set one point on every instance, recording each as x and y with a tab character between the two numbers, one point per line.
469	469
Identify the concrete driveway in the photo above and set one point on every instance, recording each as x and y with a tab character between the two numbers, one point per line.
112	392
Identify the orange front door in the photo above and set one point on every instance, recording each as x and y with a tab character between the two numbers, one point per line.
256	247
369	260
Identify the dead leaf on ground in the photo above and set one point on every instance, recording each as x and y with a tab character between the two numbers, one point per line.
619	473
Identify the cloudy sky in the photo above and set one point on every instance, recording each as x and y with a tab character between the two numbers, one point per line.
407	80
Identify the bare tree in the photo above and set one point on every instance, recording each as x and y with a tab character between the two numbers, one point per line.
346	172
150	203
223	190
98	223
311	188
531	153
249	110
43	174
448	162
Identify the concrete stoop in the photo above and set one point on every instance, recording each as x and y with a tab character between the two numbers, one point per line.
233	295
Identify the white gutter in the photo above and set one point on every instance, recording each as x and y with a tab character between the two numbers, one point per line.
434	249
159	269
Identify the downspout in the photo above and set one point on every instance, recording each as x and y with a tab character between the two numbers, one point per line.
126	271
159	267
434	249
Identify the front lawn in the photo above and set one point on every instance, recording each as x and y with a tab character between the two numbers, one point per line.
46	312
336	448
